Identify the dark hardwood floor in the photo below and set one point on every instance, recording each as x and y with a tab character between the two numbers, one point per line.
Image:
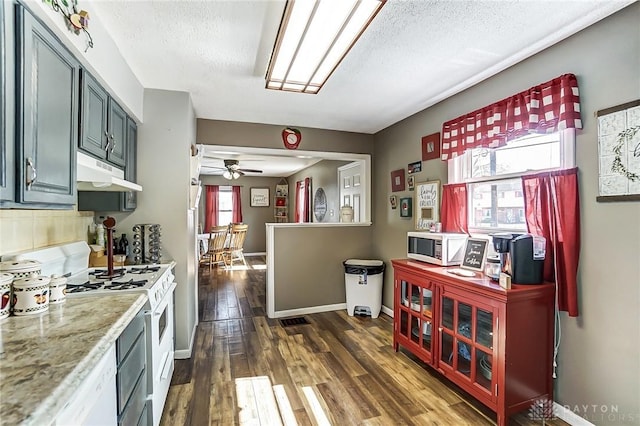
247	369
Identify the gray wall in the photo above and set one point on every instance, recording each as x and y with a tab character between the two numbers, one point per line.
255	217
598	355
217	132
164	142
323	174
308	263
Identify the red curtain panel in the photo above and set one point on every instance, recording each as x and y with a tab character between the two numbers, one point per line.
211	207
453	214
552	210
236	205
545	108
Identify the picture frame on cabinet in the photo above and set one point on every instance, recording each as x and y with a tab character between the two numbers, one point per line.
475	254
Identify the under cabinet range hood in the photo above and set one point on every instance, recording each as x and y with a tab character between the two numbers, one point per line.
96	175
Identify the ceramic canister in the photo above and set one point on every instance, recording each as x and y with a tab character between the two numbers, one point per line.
57	289
30	295
21	268
5	294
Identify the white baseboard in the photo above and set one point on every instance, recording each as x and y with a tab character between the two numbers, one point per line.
309	310
387	311
262	253
569	416
186	353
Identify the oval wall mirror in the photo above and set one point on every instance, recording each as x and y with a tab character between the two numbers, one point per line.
320	204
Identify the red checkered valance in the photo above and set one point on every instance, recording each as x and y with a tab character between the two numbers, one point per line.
546	108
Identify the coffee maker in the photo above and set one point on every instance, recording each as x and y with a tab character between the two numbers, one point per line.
521	256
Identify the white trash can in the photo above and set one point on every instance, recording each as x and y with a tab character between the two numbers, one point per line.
363	283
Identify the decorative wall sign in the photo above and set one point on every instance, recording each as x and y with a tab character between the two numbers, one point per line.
259	197
475	254
411	183
320	204
394	202
291	137
405	207
431	147
397	180
619	153
414	167
427	204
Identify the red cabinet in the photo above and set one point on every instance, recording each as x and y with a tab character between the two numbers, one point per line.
496	344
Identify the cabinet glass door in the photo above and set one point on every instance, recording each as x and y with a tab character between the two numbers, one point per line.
467	340
416	313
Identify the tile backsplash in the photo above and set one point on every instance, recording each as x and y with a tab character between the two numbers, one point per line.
22	230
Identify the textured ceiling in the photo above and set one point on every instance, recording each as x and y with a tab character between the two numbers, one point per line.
414	54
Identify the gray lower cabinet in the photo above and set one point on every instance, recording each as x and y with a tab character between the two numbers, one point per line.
131	377
47	115
103	123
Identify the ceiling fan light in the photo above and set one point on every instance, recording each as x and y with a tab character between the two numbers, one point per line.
235	174
313	38
227	175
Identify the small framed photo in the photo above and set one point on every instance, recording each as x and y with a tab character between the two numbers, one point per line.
259	197
414	167
405	207
411	182
397	180
431	147
394	202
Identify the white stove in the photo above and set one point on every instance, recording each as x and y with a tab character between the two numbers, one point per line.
157	281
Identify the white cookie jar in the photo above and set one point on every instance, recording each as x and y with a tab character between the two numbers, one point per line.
30	296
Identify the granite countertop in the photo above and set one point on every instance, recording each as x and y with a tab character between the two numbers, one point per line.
45	357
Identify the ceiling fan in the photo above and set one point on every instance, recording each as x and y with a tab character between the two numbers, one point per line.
232	169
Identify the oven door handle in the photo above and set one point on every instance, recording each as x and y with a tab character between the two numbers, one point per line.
166	366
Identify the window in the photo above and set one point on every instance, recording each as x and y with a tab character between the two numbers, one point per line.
225	206
493	176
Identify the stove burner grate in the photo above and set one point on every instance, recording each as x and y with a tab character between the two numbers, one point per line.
147	269
84	287
125	285
103	274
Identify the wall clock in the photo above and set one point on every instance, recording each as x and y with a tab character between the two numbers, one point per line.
320	204
291	137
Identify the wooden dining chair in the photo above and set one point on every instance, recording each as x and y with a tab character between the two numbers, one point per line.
234	251
216	248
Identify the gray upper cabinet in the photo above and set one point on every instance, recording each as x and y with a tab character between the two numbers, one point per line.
7	148
47	110
103	123
116	201
130	173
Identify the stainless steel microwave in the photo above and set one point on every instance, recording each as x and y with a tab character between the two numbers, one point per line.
443	249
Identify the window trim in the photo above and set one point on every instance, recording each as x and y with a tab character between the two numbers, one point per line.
225	189
459	167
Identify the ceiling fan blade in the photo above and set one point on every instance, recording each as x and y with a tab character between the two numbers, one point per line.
249	170
204	166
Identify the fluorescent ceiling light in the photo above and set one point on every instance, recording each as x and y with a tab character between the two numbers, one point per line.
313	38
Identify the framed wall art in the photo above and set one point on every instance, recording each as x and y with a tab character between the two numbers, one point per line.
414	167
405	207
431	147
259	197
427	204
394	202
397	180
619	153
411	182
